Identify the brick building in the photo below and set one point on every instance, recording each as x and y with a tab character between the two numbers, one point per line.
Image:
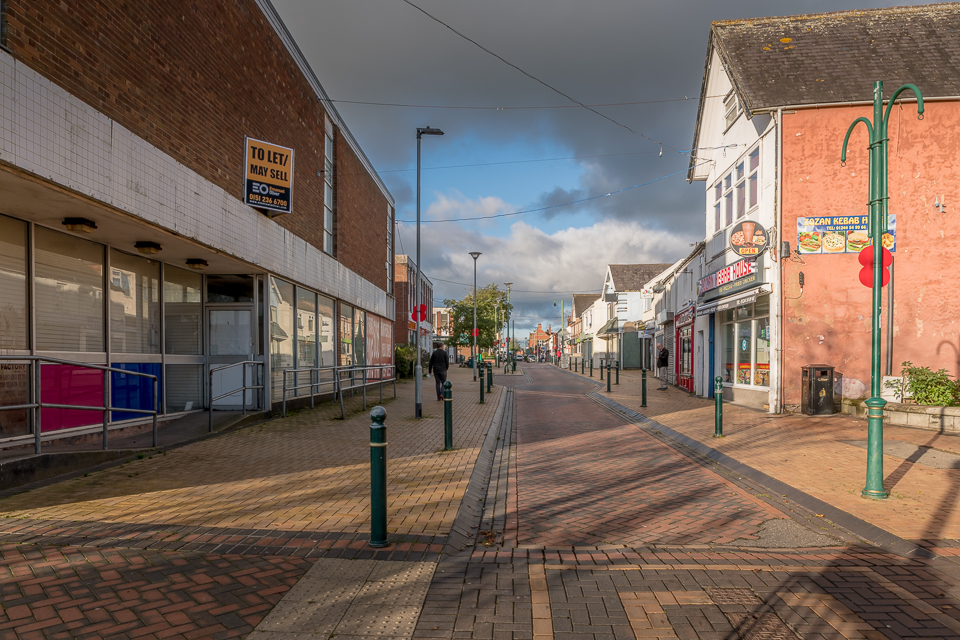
404	329
540	341
177	193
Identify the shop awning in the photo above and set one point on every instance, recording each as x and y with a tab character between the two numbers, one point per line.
609	328
733	301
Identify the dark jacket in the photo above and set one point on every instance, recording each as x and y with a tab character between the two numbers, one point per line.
663	358
439	361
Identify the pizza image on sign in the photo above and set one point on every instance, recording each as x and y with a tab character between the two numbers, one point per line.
748	239
269	171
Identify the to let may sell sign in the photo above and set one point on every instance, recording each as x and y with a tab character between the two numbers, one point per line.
269	182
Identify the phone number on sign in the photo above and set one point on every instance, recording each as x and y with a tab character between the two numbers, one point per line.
276	202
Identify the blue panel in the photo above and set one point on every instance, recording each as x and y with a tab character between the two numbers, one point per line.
134	392
710	369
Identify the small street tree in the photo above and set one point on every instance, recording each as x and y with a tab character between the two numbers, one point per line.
491	302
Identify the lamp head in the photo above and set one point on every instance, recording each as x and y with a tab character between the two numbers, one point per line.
475	254
428	131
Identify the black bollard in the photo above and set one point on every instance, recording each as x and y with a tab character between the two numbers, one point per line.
617	366
378	478
481	389
601	368
489	377
447	416
608	376
718	407
591	366
643	388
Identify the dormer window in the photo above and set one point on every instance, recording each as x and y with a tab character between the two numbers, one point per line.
731	109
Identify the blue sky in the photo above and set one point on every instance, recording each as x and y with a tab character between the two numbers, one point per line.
638	63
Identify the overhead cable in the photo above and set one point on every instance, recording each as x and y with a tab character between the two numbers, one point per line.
517	108
562	204
536	79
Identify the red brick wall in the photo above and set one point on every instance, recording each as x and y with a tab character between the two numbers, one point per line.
193	79
361	228
831	321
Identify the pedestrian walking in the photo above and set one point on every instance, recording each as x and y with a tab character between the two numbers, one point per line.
663	359
439	363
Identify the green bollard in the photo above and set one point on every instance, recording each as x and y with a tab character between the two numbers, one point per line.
447	416
608	376
617	366
591	366
481	389
378	478
643	387
718	400
489	377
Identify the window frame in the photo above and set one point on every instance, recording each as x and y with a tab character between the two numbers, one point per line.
4	9
732	192
752	319
329	193
731	110
389	263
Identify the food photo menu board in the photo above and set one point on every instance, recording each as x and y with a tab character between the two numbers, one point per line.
839	234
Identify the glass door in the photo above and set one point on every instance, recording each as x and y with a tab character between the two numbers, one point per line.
231	339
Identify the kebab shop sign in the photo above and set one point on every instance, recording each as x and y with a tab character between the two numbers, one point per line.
735	277
748	239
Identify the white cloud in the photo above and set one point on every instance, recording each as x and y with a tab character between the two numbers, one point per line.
573	259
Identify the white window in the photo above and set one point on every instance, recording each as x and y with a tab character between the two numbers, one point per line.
389	263
328	203
731	109
737	192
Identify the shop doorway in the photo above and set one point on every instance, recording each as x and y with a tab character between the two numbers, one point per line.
231	338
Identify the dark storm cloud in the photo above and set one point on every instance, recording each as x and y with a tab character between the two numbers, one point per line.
601	52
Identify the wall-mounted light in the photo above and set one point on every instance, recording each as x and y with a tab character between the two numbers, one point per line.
147	248
79	225
196	264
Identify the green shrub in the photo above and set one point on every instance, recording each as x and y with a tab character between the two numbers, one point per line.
934	388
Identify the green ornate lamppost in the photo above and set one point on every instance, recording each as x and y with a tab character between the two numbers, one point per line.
878	225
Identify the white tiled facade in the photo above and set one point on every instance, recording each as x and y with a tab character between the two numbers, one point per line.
49	133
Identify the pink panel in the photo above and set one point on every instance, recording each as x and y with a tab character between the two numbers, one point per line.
68	384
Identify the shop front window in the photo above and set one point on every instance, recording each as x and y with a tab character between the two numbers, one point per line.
281	333
745	344
69	293
761	376
134	304
729	360
13	284
686	352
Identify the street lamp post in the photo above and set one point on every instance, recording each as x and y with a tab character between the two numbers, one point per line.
878	225
475	255
512	345
496	319
418	372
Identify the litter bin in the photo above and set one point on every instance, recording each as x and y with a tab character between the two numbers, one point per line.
816	395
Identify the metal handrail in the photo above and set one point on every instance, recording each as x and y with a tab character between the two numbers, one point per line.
242	390
107	407
337	381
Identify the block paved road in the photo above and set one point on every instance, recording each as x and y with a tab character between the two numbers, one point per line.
598	528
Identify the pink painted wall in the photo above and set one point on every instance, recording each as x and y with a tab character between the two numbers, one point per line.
66	384
830	322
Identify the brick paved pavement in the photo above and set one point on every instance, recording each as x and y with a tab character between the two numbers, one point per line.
202	541
574	523
815	454
579	563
